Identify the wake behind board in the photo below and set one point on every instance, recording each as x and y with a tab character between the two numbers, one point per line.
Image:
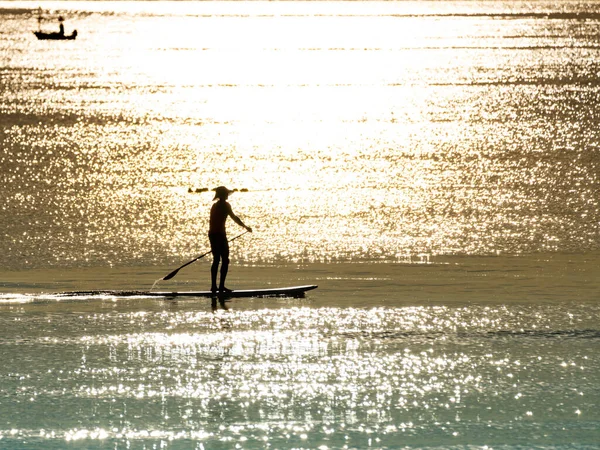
293	291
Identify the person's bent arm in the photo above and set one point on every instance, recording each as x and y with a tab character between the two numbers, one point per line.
237	220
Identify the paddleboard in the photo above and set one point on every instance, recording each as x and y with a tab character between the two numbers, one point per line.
292	291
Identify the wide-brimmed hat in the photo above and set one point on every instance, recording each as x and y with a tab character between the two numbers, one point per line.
221	191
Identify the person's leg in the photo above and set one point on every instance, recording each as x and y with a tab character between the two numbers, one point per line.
214	270
224	265
216	254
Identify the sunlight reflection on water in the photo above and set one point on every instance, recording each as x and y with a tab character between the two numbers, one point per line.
305	376
386	134
352	145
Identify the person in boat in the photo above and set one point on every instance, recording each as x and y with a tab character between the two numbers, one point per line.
61	27
217	235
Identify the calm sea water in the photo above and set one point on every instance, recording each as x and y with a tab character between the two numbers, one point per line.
433	166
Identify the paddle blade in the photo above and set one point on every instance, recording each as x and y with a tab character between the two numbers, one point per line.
171	275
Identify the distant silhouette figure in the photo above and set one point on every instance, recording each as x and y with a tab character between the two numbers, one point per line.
61	27
217	235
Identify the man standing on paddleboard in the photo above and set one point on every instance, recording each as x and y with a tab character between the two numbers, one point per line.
218	236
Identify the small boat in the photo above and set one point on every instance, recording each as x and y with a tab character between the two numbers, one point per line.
55	35
42	36
293	291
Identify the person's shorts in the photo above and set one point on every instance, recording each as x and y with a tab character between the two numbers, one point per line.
218	244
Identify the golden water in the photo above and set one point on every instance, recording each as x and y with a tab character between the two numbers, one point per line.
433	166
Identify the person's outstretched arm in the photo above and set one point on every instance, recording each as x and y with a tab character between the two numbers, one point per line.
237	220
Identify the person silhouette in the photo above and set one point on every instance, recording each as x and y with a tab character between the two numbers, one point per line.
219	212
61	27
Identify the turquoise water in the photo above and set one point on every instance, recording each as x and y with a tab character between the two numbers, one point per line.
433	166
152	374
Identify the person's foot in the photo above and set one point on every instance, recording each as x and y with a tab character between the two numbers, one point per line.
213	289
225	290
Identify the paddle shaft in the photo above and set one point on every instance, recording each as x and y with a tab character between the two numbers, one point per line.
172	274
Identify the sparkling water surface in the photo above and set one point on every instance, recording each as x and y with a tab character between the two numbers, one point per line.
301	376
389	129
433	166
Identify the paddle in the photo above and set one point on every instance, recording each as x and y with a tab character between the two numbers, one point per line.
172	274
